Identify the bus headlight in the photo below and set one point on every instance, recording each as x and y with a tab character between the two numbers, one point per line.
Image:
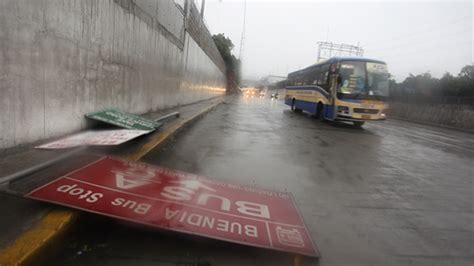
343	109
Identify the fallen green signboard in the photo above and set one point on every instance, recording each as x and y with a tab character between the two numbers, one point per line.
125	120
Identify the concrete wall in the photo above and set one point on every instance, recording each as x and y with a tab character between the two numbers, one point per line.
456	116
60	59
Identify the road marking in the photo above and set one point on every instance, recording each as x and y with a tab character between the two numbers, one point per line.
28	247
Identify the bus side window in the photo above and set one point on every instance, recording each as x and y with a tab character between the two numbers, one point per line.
305	78
321	79
315	75
297	80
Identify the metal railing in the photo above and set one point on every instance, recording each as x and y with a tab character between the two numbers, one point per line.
451	100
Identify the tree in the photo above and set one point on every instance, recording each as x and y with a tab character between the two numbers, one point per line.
421	84
461	85
393	87
467	72
225	46
448	85
466	81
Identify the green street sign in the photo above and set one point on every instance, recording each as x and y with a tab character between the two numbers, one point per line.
125	120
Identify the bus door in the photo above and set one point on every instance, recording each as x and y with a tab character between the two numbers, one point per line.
331	109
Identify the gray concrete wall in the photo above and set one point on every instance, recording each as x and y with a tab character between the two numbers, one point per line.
456	116
60	59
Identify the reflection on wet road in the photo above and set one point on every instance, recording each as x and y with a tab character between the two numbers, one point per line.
391	193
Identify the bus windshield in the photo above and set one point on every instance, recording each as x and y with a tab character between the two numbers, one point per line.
360	79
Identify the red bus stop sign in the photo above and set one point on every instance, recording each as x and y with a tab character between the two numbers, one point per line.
183	202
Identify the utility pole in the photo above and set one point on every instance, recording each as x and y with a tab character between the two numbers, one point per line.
203	5
242	38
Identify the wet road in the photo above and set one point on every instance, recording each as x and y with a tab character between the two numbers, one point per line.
392	193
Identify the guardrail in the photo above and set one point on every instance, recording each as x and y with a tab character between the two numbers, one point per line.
451	100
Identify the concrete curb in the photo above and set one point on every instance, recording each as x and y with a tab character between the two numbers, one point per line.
33	245
164	135
29	246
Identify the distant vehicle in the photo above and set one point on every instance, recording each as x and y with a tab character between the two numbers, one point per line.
262	94
350	89
275	96
249	93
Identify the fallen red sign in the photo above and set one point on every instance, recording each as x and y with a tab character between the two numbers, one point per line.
183	202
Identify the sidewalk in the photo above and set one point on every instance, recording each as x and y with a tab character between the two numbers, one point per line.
29	228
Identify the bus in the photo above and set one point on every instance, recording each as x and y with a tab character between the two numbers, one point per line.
351	89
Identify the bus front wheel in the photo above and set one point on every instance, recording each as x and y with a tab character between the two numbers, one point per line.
358	123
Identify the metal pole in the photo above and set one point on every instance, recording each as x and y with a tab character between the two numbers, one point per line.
203	5
38	167
165	117
242	38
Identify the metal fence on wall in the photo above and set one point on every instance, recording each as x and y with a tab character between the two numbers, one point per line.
452	100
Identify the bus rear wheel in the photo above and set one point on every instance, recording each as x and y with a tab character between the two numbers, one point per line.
320	112
358	123
293	107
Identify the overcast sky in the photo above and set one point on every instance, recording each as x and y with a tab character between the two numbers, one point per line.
411	36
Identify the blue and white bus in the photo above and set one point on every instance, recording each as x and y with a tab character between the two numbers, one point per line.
350	89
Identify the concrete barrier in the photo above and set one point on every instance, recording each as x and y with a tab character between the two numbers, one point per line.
60	59
455	116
